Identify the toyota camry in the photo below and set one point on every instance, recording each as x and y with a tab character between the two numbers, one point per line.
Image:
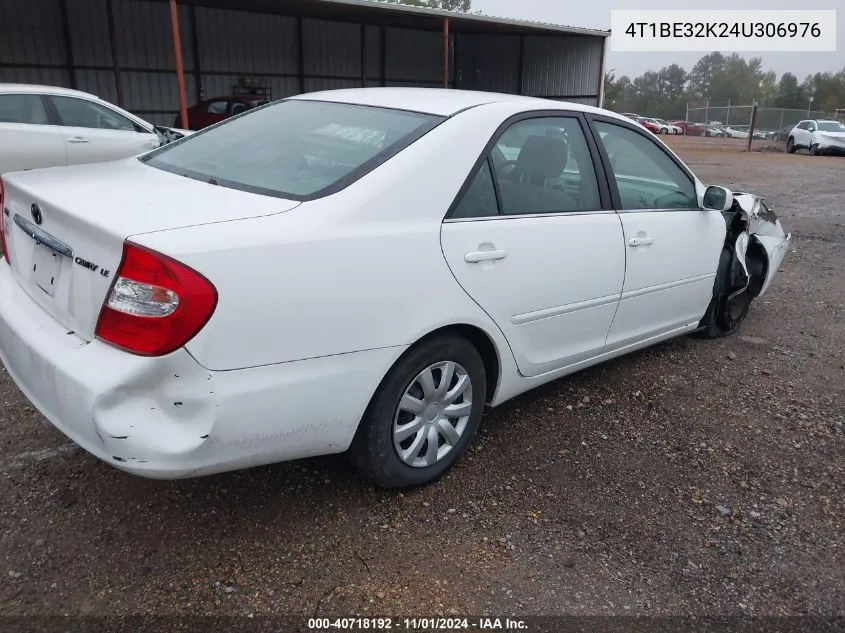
358	270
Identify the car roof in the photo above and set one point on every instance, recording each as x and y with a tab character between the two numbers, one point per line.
438	101
53	90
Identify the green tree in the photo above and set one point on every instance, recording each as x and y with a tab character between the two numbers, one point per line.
702	74
789	93
672	81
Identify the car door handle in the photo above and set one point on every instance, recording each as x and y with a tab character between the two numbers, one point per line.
77	139
640	241
473	257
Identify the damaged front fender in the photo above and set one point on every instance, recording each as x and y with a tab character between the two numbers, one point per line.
756	224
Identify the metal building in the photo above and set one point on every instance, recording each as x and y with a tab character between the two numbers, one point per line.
155	57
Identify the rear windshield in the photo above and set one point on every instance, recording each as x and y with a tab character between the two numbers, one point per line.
294	149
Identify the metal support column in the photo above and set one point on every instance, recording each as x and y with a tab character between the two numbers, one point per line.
301	38
363	55
445	52
118	84
180	69
195	48
68	45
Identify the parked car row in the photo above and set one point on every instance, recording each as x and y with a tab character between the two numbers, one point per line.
655	125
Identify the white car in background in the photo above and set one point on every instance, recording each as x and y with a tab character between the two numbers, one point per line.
667	128
358	270
735	132
47	126
817	136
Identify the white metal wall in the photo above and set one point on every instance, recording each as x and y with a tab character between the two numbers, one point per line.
223	46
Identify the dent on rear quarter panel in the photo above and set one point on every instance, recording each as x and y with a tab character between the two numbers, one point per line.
361	269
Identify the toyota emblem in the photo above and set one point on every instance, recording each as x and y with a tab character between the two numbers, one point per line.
36	213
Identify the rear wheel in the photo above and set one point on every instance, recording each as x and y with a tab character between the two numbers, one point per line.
423	415
790	145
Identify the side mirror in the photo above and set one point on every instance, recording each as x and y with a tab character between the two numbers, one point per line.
717	199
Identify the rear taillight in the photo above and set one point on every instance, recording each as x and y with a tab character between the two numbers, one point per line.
155	304
4	225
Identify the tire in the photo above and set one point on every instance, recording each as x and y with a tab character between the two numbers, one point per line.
790	145
375	448
724	317
814	150
664	130
703	133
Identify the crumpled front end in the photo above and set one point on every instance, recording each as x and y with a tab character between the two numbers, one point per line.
832	143
761	229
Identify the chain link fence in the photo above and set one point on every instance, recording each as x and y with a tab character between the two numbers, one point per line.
772	123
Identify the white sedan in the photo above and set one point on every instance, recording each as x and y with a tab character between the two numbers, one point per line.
47	126
358	270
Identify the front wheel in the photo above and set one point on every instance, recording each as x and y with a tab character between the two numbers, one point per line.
790	145
814	150
423	415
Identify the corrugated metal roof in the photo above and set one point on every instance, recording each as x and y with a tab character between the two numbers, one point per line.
397	15
456	16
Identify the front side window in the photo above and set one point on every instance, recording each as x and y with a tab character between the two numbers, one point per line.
803	125
647	178
75	112
23	108
294	149
544	165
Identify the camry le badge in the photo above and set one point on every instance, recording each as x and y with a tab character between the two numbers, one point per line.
36	213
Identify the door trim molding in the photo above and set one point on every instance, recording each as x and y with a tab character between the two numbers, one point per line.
630	294
546	313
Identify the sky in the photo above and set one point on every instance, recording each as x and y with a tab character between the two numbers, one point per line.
596	14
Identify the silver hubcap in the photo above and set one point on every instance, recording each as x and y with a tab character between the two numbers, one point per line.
432	414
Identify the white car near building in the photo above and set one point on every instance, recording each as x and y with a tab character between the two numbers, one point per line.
47	126
817	136
358	270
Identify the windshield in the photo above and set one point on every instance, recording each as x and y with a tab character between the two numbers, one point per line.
294	149
831	126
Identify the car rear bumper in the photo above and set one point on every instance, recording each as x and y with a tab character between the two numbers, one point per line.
169	417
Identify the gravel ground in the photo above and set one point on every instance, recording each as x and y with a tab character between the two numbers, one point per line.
696	477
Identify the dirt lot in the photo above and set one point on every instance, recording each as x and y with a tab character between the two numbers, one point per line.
697	477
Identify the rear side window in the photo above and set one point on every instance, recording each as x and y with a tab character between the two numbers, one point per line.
22	108
294	149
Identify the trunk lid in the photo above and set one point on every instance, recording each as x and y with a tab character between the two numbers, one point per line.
67	227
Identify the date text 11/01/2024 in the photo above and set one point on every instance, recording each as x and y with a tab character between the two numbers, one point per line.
416	624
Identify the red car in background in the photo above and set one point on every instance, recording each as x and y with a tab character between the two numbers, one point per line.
211	111
651	127
692	129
